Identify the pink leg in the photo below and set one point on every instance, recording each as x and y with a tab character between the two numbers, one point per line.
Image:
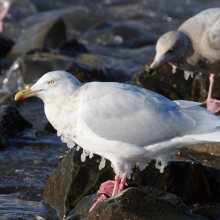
3	12
213	105
123	182
117	182
102	197
111	188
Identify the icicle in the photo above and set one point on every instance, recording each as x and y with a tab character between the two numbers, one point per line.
126	166
102	163
173	69
187	74
157	164
90	155
142	166
83	156
59	133
70	144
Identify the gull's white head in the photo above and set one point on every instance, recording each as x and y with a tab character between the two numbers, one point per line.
52	85
170	47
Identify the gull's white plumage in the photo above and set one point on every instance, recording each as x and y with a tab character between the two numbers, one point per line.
126	124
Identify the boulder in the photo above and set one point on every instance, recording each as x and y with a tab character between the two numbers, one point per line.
172	86
41	36
20	10
72	48
77	19
11	122
142	203
5	45
105	33
74	180
86	67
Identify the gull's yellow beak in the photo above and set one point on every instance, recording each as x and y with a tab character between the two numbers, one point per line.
23	94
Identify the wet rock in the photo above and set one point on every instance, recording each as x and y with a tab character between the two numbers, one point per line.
20	10
106	32
172	86
191	181
41	36
77	19
137	43
50	128
72	48
11	122
5	45
135	203
86	67
74	180
201	87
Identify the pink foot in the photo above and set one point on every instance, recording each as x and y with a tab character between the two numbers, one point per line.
102	197
3	12
107	187
212	105
110	188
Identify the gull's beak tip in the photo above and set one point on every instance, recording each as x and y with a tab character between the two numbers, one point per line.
26	93
19	95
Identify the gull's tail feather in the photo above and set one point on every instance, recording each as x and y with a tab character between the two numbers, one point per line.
210	137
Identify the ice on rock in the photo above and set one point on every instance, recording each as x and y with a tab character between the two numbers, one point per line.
70	144
102	163
83	156
187	74
174	69
90	154
142	166
59	133
77	148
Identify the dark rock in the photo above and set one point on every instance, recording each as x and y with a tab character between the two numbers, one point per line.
86	67
74	180
5	45
11	122
105	33
50	128
43	35
172	86
77	20
135	203
192	182
72	48
20	10
137	43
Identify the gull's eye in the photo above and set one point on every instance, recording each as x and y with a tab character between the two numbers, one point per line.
170	50
51	82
